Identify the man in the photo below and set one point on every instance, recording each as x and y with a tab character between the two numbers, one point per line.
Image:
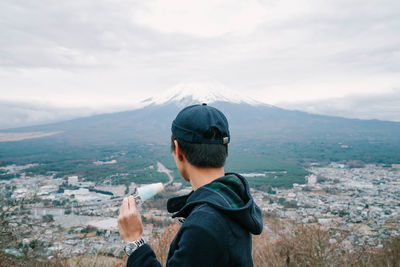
220	214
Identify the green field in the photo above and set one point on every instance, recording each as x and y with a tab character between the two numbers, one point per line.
133	160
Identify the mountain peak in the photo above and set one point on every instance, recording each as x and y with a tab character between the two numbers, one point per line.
188	93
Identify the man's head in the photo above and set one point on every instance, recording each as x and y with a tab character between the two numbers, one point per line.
202	134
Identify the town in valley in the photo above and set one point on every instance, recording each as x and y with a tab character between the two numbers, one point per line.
71	216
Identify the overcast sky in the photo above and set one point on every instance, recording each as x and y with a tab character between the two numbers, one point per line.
330	57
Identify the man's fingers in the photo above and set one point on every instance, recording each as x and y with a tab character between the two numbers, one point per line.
124	207
132	204
129	221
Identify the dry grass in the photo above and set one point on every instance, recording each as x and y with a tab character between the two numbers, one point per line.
84	261
8	261
289	244
94	261
281	244
294	245
160	243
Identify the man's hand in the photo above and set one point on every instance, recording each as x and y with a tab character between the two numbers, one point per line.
129	220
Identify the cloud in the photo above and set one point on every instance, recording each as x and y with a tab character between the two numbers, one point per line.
108	52
201	18
381	106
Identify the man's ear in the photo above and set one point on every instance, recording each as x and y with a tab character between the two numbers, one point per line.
178	151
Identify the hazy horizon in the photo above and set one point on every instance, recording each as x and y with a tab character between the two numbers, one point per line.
21	114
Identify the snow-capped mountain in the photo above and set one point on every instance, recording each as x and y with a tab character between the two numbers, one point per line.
188	93
249	120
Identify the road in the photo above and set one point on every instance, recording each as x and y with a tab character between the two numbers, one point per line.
162	168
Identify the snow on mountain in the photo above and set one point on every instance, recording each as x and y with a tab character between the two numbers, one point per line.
185	94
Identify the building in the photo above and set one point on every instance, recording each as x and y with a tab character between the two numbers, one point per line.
73	180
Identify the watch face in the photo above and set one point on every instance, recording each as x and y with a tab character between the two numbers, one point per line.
130	247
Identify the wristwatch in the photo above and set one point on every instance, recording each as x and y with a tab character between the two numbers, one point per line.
132	246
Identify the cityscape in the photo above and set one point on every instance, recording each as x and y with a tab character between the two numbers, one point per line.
70	216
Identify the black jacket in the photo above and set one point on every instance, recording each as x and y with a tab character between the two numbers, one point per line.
220	218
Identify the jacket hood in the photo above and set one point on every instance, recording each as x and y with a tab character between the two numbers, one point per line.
229	194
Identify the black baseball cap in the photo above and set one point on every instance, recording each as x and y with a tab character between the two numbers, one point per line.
192	123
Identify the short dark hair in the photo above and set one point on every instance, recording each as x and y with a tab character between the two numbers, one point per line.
203	155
